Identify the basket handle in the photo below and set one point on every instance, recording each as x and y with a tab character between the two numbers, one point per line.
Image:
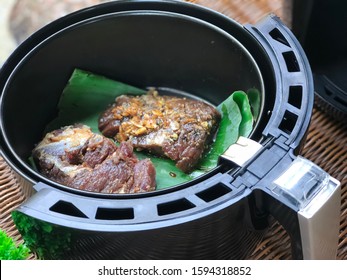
306	202
301	196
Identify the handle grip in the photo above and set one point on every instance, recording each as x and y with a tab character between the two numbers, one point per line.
301	196
306	201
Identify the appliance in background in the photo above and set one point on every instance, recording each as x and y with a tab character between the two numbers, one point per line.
321	28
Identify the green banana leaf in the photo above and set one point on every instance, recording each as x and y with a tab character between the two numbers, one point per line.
237	120
255	102
86	95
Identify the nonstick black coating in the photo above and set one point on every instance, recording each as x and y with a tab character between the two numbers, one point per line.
141	48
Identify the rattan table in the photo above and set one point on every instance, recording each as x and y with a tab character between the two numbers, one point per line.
325	145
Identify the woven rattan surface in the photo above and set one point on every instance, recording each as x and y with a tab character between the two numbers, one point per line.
326	145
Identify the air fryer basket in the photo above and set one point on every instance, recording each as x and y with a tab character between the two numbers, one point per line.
41	77
192	49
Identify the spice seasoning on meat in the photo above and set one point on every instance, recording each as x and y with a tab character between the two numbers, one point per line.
168	126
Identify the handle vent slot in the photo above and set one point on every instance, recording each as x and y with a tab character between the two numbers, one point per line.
174	206
213	192
291	61
288	122
295	96
67	208
114	214
278	36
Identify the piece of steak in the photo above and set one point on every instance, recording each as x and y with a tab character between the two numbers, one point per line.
76	157
168	126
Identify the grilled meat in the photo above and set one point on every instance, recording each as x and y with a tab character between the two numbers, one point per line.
168	126
78	158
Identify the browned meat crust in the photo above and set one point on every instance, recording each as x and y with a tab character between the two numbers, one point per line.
78	158
168	126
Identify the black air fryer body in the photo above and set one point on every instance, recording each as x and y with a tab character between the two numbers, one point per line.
184	47
329	60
